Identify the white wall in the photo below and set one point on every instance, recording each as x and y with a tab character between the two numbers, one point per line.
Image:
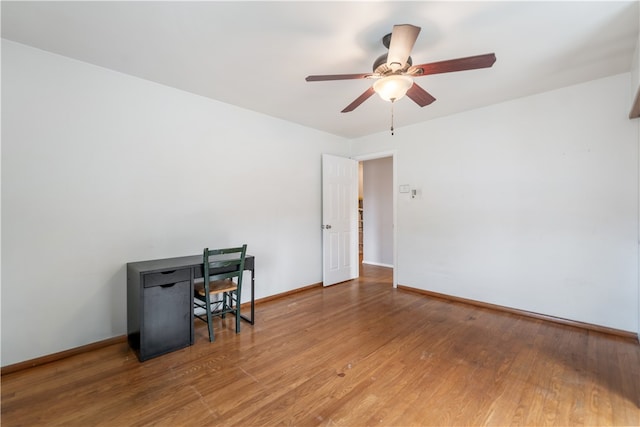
531	204
635	87
635	74
378	211
635	65
100	169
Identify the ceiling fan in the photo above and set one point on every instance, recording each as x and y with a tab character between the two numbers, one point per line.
394	70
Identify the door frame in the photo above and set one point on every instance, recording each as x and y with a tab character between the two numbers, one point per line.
393	155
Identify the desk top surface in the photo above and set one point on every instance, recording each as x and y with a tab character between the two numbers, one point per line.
158	265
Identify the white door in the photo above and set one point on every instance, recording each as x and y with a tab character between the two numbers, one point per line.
339	219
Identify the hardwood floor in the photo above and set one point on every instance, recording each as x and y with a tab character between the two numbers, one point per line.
354	354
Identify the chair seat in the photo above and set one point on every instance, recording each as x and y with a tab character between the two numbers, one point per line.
216	287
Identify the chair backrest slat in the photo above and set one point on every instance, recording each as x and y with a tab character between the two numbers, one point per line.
228	261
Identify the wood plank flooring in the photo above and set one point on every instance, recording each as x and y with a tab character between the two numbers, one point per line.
354	354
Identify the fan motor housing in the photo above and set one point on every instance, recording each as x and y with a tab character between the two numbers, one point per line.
380	65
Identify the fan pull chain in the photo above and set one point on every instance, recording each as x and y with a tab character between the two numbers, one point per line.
392	102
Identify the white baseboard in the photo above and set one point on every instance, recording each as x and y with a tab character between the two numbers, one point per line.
377	263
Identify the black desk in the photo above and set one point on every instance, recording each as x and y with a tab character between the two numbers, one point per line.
160	303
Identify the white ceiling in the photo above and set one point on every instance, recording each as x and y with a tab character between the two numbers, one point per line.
256	54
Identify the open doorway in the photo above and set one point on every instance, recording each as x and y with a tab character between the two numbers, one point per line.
376	212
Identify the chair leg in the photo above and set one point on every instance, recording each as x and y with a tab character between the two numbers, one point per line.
224	305
237	313
209	318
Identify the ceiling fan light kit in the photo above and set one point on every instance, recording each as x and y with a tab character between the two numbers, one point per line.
396	72
393	87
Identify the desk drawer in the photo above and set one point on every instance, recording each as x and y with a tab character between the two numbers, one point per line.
166	277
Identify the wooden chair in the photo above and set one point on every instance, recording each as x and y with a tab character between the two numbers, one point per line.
219	294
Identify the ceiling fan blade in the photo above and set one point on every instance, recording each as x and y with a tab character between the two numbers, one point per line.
460	64
420	96
338	77
359	100
403	38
